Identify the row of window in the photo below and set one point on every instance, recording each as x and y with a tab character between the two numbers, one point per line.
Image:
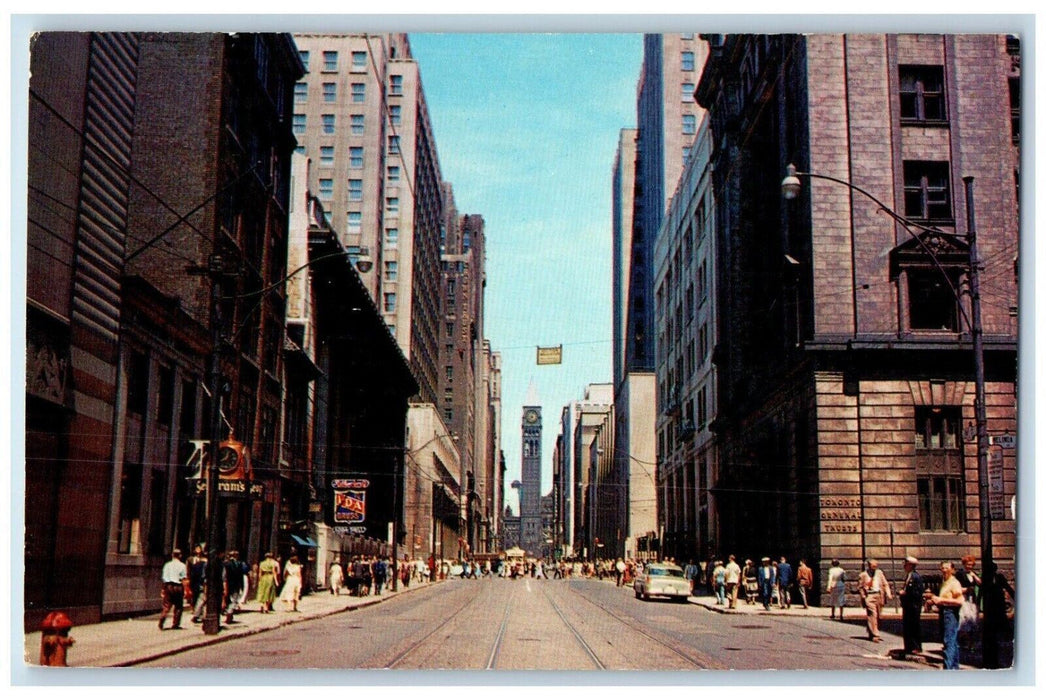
359	91
356	122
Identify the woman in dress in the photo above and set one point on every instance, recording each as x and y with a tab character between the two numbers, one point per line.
268	580
837	588
335	577
292	583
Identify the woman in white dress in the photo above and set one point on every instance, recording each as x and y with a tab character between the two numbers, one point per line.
836	588
291	583
336	577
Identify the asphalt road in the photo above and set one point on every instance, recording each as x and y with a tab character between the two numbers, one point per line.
528	624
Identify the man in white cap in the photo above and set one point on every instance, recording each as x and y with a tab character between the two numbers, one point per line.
912	606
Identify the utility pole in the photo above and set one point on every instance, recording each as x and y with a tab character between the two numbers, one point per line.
989	638
212	615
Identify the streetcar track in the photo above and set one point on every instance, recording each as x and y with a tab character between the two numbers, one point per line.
495	651
702	663
573	630
414	646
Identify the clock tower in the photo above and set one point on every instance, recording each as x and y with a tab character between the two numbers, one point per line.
530	490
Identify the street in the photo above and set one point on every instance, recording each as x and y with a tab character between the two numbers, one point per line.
536	624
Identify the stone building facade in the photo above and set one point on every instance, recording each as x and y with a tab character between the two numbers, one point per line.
844	358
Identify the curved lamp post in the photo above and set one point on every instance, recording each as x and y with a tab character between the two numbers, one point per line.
791	185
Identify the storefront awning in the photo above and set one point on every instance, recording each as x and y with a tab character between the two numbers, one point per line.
305	541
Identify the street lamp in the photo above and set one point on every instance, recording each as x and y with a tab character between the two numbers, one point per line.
790	188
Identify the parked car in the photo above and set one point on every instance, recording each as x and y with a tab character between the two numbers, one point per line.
662	580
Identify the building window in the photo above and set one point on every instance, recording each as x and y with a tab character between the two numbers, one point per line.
687	37
702	408
392	205
328	123
304	56
129	535
165	396
326	188
355	190
927	194
326	155
391	270
390	302
359	92
394	173
392	237
354	222
688	60
298	124
356	157
395	114
688	92
689	124
330	60
922	93
448	414
686	155
449	373
330	92
931	302
396	85
939	477
394	145
137	383
301	92
359	61
356	124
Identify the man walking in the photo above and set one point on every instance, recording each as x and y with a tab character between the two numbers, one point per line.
172	577
767	579
619	569
784	581
805	578
234	571
912	606
875	591
948	601
733	576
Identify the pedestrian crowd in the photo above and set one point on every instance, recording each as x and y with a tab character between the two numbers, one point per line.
958	596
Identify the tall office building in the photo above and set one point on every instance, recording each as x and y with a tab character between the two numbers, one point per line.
462	381
360	115
650	161
667	118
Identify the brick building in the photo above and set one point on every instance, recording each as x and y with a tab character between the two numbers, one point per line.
150	152
844	361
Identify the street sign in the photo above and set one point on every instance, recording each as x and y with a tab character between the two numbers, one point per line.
996	491
1007	441
550	356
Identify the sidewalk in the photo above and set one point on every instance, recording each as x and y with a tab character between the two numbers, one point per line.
137	639
890	630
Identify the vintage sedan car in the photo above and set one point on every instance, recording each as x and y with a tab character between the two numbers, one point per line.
662	580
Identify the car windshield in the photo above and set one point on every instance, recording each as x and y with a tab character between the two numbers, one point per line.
662	571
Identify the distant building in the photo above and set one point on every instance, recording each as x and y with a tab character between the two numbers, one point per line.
586	417
530	529
685	303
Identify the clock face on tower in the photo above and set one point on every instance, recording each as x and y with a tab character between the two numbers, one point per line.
531	416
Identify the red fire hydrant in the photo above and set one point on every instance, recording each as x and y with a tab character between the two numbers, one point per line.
55	642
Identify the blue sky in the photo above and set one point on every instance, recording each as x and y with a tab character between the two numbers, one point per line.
526	127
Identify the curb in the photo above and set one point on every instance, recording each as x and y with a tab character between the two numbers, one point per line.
237	634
